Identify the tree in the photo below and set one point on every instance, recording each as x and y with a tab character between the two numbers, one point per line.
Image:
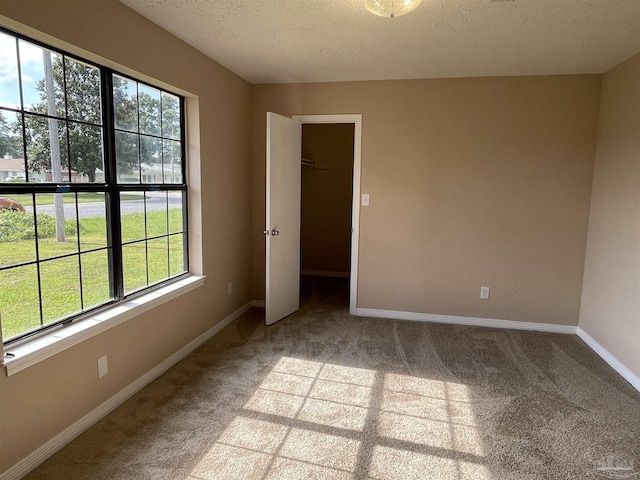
84	152
149	108
153	112
10	143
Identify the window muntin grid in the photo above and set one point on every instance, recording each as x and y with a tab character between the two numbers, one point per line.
66	253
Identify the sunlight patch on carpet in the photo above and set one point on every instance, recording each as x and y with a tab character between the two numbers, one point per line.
311	420
396	463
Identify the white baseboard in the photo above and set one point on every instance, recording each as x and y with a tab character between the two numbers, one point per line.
43	452
613	362
258	303
474	321
324	273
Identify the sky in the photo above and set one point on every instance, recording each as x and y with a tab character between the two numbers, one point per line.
32	70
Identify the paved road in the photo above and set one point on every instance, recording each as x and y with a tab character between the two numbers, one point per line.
97	209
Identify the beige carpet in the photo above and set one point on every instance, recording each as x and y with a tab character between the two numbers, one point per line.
323	395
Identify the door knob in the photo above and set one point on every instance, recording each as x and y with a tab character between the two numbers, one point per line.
275	232
266	232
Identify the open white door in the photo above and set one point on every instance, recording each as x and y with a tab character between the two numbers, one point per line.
282	227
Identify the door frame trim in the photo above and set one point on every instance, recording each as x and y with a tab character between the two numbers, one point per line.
356	119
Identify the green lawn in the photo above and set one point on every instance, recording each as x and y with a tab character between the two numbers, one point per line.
60	278
47	198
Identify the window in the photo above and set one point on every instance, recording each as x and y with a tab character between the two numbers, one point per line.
93	190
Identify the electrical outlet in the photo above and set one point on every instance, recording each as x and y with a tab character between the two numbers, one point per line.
103	368
484	293
229	288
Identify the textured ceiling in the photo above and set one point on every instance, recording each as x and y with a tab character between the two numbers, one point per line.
283	41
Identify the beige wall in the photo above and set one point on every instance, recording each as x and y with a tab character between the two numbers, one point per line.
325	230
610	310
43	400
478	181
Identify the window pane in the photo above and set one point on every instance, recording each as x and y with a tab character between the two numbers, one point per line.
149	99
17	232
83	92
132	220
95	278
47	156
134	266
156	214
127	158
42	93
175	212
56	223
19	302
11	147
85	143
60	284
172	161
125	103
9	86
93	220
158	255
176	254
170	116
56	136
151	159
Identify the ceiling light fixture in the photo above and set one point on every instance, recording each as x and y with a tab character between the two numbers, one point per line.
391	8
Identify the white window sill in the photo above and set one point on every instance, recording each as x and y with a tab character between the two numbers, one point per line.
30	352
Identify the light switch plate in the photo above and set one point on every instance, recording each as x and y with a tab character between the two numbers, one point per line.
365	199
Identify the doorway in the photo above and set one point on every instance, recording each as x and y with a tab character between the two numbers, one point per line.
330	193
283	210
325	213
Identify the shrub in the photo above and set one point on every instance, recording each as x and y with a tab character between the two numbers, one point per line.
16	225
